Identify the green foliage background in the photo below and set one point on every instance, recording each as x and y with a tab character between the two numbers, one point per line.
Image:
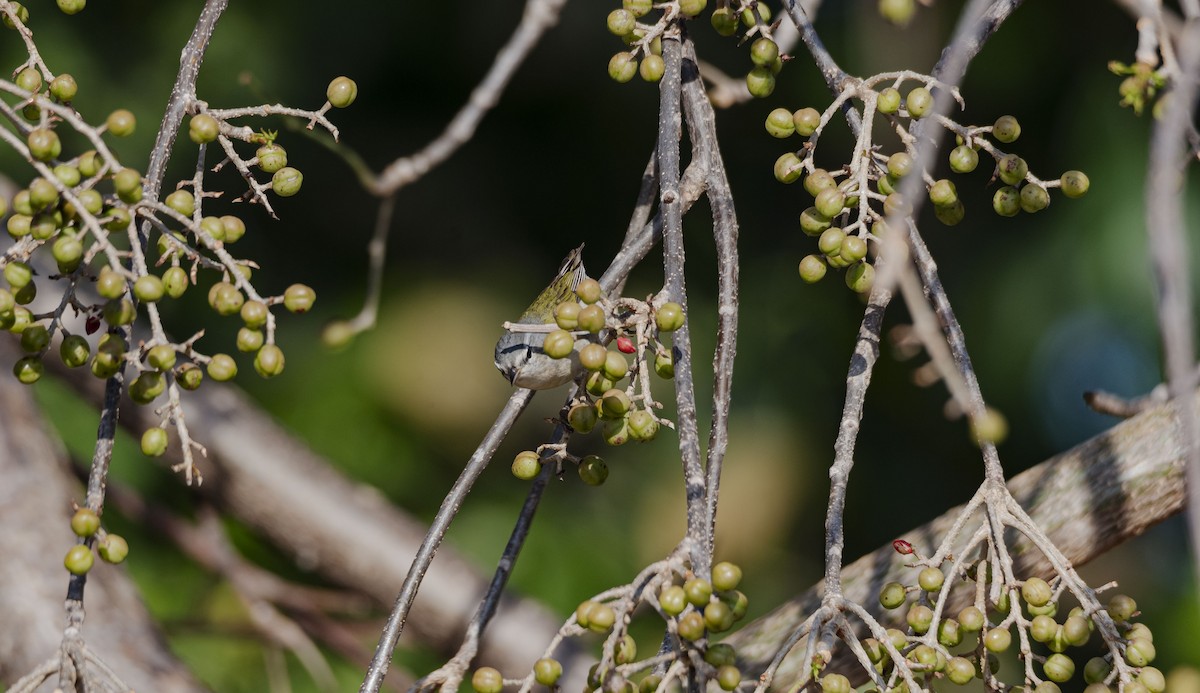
1052	304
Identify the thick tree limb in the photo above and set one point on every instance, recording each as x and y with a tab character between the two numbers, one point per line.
1088	499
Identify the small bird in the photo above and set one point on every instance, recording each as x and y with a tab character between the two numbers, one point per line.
519	355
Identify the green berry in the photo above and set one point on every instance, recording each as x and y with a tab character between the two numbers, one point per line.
860	278
487	680
601	618
1152	679
526	465
943	193
761	82
18	274
664	365
582	417
19	225
29	79
161	357
128	184
614	404
919	102
652	68
806	121
154	442
780	123
622	67
1059	668
566	315
726	576
35	338
812	269
254	314
763	11
669	317
787	168
269	361
950	215
763	52
919	618
593	470
1006	129
175	281
931	579
835	683
900	164
830	202
728	677
1011	169
1036	592
85	522
898	12
589	291
888	101
28	369
1074	183
44	144
691	626
692	8
960	670
63	88
341	92
79	560
287	181
222	367
892	595
699	591
718	617
249	340
1042	628
949	633
203	129
558	344
547	671
643	427
593	356
42	194
271	158
724	21
1139	652
68	253
113	548
147	386
621	22
90	163
121	122
997	640
119	311
818	180
1007	201
148	288
672	600
299	298
74	351
189	376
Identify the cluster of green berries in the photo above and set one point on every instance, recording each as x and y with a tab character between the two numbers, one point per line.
1141	85
844	227
727	17
606	368
695	607
113	548
974	633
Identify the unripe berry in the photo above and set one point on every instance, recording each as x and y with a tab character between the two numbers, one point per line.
621	22
652	68
487	680
271	158
85	522
299	298
154	442
1006	129
222	367
341	92
79	560
28	369
593	471
1074	183
113	548
724	21
760	82
691	8
669	317
919	102
74	351
203	128
888	101
780	123
1007	201
269	361
547	671
287	181
63	88
622	67
121	122
161	357
526	465
812	269
44	144
787	168
558	344
806	120
148	288
763	51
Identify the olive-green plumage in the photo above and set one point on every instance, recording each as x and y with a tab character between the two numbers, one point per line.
519	355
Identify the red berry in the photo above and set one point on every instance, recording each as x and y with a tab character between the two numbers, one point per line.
902	547
625	345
